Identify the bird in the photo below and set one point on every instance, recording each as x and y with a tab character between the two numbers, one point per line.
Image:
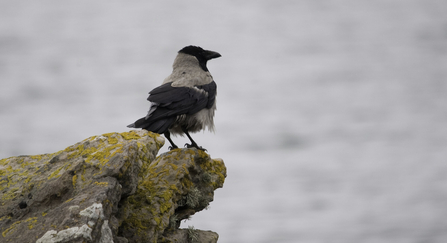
186	100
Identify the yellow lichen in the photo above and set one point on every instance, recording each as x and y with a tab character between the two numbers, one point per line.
103	155
4	161
11	228
130	135
111	139
36	157
101	183
31	222
5	217
55	174
74	150
73	179
10	194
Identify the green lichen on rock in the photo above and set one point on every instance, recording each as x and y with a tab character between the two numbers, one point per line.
171	189
116	178
97	169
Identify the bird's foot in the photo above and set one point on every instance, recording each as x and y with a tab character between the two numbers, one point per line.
194	146
172	147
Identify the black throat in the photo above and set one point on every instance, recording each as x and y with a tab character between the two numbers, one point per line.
202	64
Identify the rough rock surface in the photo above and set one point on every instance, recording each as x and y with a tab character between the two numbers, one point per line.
108	188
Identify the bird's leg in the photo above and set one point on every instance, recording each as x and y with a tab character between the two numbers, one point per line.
168	136
193	143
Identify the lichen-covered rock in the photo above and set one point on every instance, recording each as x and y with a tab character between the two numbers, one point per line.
173	187
107	188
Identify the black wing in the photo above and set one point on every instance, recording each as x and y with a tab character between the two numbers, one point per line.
171	101
182	100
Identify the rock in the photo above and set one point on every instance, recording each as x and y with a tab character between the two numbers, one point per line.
193	235
108	188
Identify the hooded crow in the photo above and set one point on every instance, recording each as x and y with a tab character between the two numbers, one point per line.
186	100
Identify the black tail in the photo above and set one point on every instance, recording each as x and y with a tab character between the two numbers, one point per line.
158	126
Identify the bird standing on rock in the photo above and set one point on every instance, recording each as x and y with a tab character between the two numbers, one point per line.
186	100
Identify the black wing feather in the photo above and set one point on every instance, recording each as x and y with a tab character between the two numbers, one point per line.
174	101
211	89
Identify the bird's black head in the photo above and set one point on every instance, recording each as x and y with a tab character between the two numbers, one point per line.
202	55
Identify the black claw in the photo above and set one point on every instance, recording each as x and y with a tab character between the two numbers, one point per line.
172	147
193	143
168	136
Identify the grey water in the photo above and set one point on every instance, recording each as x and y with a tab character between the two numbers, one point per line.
332	115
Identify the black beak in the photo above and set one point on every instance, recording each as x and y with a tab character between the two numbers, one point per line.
211	54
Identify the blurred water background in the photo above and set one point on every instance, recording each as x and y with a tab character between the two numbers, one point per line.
332	115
